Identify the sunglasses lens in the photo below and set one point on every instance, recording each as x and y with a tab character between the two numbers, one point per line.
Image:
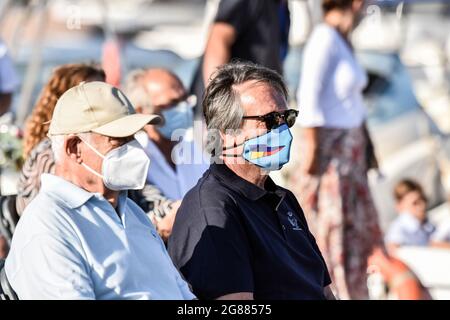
271	121
290	116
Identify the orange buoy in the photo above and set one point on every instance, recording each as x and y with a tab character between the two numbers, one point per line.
399	278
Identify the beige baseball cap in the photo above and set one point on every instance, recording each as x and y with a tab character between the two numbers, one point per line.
97	107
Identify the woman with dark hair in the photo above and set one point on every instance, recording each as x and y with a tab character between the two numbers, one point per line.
331	184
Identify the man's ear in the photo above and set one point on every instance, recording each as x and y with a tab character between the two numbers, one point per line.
72	148
225	139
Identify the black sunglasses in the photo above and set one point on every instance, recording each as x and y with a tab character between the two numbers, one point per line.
273	119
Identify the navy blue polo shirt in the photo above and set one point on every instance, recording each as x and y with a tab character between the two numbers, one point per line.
231	236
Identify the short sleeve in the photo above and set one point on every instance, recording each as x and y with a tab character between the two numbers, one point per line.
234	13
51	268
220	262
316	70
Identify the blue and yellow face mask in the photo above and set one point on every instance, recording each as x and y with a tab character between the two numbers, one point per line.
269	151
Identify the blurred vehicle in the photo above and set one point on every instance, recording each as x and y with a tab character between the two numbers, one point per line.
407	141
417	29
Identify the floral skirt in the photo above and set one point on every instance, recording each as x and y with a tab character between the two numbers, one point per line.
339	208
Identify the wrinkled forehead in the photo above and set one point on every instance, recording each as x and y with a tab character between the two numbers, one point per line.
259	98
158	80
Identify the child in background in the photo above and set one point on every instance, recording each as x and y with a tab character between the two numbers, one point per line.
411	227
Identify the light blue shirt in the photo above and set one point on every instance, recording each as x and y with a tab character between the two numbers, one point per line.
190	164
72	244
407	230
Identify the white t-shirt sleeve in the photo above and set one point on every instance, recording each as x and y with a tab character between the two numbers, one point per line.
9	80
318	60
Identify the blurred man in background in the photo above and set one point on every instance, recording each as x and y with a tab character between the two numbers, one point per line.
256	31
176	161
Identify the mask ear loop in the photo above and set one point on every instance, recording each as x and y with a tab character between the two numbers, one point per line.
232	147
238	145
98	153
92	148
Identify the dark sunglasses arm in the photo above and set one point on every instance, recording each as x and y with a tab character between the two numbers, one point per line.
253	117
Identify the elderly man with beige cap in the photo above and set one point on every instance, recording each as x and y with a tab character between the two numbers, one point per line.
81	237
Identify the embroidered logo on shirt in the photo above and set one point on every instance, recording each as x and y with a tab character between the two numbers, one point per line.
293	222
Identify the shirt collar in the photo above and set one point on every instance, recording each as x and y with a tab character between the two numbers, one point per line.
64	190
246	188
72	195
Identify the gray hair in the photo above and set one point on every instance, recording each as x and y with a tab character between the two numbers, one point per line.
58	144
221	102
134	89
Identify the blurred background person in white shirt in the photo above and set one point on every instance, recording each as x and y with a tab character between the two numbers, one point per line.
331	183
176	160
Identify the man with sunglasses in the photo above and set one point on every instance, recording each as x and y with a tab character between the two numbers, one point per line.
238	235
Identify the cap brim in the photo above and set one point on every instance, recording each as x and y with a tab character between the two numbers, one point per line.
128	125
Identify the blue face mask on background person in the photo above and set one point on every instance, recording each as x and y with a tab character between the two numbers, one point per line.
269	151
179	117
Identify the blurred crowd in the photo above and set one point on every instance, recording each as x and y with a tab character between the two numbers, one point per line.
139	187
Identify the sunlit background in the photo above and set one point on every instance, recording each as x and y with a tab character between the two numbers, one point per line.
403	45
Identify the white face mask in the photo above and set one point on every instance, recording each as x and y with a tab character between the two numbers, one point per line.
123	168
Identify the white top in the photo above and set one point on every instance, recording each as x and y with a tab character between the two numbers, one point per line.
190	164
330	92
72	244
442	233
407	230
